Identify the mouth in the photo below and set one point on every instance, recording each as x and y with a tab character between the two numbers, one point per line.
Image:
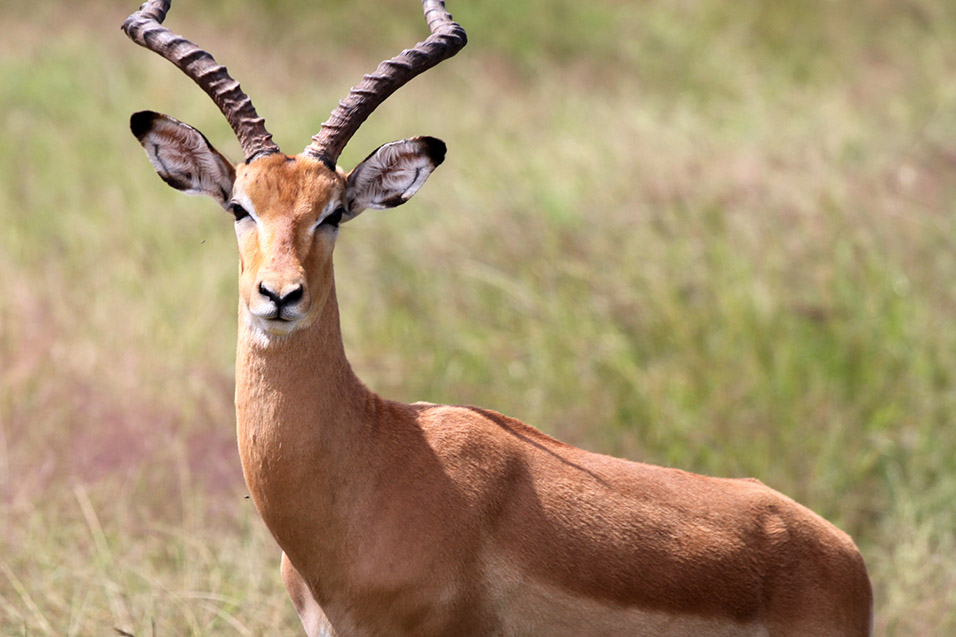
276	323
285	315
280	315
277	326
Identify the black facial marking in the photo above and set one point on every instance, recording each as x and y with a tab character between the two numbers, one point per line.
335	218
322	158
159	160
395	201
155	154
141	123
257	155
238	211
436	149
175	181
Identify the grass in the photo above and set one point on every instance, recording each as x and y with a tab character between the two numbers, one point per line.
711	235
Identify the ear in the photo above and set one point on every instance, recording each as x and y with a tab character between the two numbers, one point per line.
392	174
183	156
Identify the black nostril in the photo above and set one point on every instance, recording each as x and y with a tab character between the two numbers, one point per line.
293	297
266	292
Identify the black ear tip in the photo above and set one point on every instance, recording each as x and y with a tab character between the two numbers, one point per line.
140	123
436	149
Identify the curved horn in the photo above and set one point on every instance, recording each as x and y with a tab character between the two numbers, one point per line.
144	27
447	38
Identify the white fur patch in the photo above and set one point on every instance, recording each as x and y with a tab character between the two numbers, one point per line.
531	607
243	200
330	207
392	174
186	160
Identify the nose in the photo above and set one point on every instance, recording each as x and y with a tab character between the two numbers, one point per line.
288	297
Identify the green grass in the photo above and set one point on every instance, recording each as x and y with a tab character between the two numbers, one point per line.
713	235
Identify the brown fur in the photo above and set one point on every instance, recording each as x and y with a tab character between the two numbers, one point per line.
429	519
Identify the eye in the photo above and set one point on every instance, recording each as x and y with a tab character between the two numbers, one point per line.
335	218
238	211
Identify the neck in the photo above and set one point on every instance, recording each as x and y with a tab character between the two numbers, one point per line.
298	406
309	365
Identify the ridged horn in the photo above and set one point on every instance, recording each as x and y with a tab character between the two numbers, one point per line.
447	38
145	27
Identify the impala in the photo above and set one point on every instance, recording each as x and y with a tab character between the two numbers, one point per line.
424	519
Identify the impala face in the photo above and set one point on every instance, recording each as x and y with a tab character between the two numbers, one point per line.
287	210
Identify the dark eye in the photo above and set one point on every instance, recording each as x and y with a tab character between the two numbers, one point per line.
335	218
238	211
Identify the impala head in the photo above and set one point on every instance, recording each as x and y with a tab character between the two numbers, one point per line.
288	209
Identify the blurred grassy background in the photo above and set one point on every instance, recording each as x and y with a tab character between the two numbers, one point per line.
715	235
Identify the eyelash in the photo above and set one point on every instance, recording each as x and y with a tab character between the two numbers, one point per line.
335	218
238	211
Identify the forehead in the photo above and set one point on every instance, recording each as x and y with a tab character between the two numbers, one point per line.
279	184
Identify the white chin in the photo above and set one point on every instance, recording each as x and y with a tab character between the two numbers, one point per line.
269	328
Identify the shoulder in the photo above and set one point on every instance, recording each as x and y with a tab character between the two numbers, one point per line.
482	427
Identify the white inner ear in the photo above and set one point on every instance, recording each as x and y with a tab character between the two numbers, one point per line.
186	160
390	176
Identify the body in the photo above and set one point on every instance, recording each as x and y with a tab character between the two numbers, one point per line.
423	519
463	521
